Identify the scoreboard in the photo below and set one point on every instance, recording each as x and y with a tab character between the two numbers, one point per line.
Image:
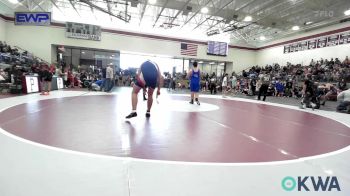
217	48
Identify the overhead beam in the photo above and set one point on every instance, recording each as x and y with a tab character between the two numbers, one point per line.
239	31
223	7
126	10
177	14
70	1
59	9
109	9
293	6
126	19
196	13
245	39
22	3
92	11
30	5
38	5
143	11
161	11
236	10
245	5
5	5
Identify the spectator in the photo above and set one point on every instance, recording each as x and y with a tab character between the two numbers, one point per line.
96	86
212	85
344	99
65	78
263	89
253	86
46	78
312	63
309	94
233	82
109	79
224	85
289	88
244	74
346	61
342	84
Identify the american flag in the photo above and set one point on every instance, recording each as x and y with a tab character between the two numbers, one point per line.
189	49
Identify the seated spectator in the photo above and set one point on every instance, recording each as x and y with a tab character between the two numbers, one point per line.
253	86
312	63
337	61
76	81
331	91
52	68
289	88
342	84
1	47
3	75
346	61
271	90
96	86
344	99
244	74
279	88
297	91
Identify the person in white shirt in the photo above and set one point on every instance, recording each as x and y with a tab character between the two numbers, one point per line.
312	63
224	85
109	79
234	83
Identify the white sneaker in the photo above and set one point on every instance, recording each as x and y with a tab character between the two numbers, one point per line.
313	106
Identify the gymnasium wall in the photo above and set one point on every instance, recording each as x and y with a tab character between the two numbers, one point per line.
2	30
39	39
276	54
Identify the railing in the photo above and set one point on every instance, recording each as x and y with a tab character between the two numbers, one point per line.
246	69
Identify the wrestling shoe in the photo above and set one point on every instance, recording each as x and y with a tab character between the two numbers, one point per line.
131	115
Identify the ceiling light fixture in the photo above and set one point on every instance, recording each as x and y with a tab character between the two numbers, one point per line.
13	1
347	13
152	1
262	38
248	19
308	23
295	28
204	10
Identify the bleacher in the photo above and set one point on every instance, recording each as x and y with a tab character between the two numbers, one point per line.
14	63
